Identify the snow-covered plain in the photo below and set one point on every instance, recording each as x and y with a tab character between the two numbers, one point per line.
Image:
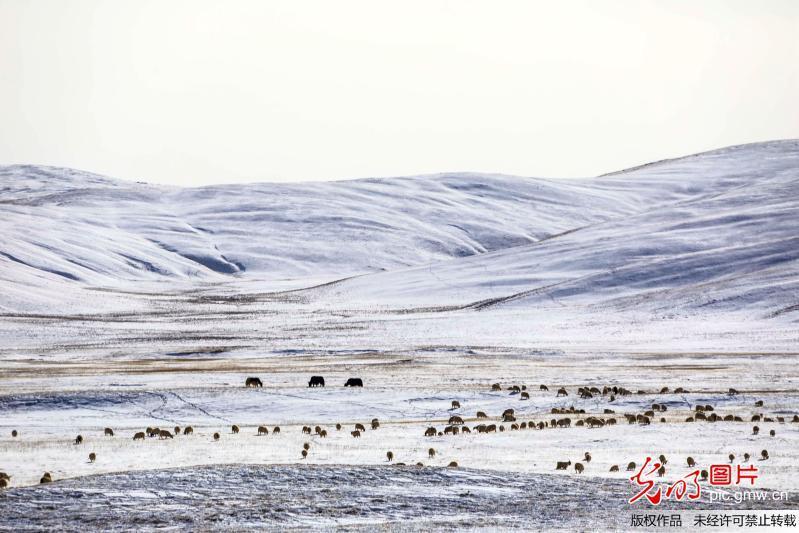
128	305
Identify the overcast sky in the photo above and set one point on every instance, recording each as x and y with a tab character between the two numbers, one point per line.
200	91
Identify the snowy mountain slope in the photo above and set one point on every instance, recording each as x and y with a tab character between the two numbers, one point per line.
723	221
734	245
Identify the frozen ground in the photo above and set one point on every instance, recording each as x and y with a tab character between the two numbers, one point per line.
126	305
299	497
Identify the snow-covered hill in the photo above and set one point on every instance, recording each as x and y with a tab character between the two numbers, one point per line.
714	227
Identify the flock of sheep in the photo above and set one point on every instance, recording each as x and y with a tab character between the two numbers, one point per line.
456	423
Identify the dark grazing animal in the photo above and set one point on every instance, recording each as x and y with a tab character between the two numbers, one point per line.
431	453
276	431
92	457
316	381
253	382
139	436
234	428
164	434
109	432
562	465
355	433
562	392
188	430
262	430
216	436
14	433
79	439
453	464
390	456
354	382
578	467
430	432
360	427
630	466
614	468
691	462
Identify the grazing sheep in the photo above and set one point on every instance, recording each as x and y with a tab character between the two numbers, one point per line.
543	387
465	430
262	430
234	428
79	439
562	392
375	424
755	418
317	430
164	434
109	432
691	462
525	396
614	468
579	423
177	430
453	464
306	446
501	428
216	436
630	466
276	431
564	422
587	457
360	427
481	414
355	434
491	428
578	467
772	432
456	404
661	471
763	455
92	457
323	434
755	430
390	456
306	429
139	436
508	412
455	420
188	430
562	465
514	427
430	432
431	453
253	382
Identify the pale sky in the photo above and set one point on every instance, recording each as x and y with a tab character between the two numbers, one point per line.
198	92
